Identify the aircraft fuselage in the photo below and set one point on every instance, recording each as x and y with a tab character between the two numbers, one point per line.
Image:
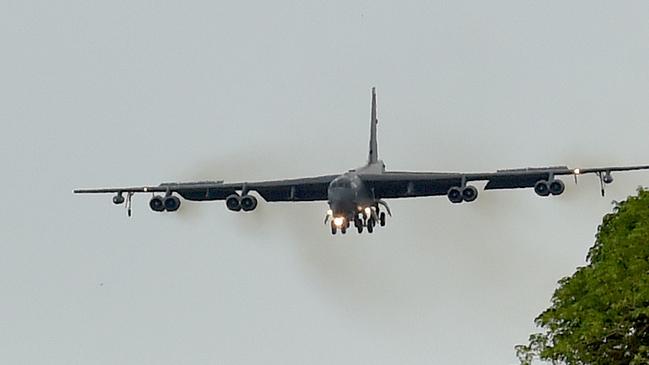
348	195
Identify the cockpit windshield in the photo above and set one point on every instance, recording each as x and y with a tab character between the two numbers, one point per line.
341	183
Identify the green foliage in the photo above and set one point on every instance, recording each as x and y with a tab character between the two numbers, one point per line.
600	314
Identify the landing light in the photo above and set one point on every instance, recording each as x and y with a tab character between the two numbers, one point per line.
330	212
577	171
368	211
338	221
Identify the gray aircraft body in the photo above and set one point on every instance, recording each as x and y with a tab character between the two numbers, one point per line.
357	197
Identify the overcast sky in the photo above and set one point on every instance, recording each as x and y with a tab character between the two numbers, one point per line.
121	93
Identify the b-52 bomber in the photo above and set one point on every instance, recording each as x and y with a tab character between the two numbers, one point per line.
359	196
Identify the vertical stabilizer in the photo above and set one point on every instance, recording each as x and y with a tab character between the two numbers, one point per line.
374	148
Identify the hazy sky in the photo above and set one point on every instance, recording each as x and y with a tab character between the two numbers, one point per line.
120	93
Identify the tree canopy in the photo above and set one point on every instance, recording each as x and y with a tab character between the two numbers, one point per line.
600	314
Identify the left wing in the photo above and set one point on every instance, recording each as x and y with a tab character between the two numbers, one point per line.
416	184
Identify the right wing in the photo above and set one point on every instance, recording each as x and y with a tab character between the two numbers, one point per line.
304	189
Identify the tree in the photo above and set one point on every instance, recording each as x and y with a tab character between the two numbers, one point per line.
600	314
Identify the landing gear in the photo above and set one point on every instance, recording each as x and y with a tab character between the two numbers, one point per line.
365	218
370	225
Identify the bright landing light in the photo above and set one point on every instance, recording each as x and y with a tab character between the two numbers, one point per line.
330	212
338	221
368	211
577	171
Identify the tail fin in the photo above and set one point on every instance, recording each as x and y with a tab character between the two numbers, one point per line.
374	148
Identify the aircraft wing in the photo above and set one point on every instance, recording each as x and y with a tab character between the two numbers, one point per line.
415	184
304	189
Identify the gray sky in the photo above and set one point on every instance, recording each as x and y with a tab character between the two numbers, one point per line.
138	92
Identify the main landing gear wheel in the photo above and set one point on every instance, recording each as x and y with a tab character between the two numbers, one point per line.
370	225
358	223
382	219
334	229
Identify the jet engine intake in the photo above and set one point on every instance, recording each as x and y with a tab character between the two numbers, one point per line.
118	199
469	193
557	187
233	202
248	203
458	194
171	203
545	188
542	188
157	203
455	195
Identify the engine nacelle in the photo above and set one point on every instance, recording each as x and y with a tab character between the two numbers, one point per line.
545	188
233	202
157	203
454	194
248	203
542	188
171	203
469	193
118	199
607	178
557	187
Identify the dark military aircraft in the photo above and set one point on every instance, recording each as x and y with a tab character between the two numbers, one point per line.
358	196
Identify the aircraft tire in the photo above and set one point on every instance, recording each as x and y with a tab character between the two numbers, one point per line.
334	229
382	219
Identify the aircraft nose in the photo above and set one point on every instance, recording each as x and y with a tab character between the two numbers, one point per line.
340	204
